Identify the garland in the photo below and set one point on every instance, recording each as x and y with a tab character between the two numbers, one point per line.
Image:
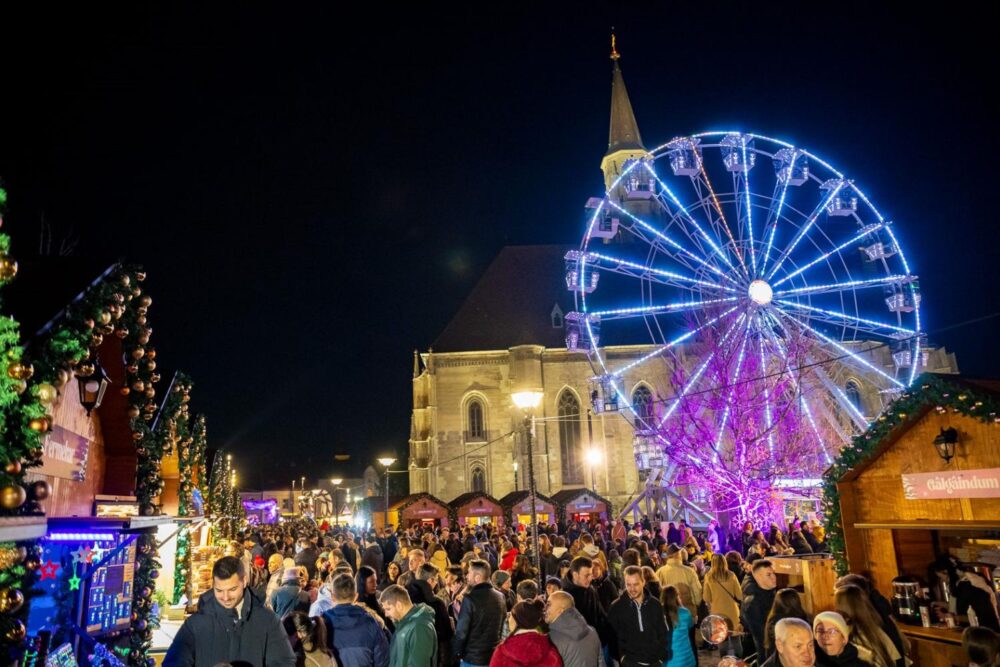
23	421
929	390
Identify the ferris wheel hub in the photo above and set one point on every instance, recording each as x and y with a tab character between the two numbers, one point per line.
760	292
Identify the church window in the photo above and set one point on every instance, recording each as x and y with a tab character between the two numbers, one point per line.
569	438
478	480
642	403
853	392
557	317
477	424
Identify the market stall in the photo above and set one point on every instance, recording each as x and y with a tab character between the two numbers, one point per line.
476	508
581	505
517	508
922	487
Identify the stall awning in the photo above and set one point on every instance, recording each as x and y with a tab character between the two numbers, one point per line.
519	502
476	503
583	499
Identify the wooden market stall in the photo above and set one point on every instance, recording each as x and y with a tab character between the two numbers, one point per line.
476	508
411	510
581	505
517	508
924	483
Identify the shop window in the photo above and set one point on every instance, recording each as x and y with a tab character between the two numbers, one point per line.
477	424
478	480
569	438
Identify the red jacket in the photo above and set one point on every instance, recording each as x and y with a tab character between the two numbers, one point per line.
507	562
528	648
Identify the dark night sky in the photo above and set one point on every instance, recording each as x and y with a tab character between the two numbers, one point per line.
313	197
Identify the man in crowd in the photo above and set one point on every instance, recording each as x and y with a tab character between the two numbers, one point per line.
230	626
758	597
526	590
793	640
306	556
577	642
356	636
372	554
577	584
415	558
421	591
414	643
675	573
638	628
477	632
291	595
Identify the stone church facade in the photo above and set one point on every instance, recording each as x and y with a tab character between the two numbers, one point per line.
467	435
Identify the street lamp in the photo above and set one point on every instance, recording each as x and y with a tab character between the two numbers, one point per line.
528	401
386	461
594	458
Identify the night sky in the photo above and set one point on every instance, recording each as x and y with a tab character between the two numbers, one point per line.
314	196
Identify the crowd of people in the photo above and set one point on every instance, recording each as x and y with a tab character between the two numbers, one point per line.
298	594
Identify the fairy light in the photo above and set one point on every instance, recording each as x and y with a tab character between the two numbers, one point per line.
863	233
845	316
657	272
805	228
718	207
777	214
746	187
651	310
850	284
736	381
767	397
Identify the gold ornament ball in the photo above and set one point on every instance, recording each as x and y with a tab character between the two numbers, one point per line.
9	557
32	563
20	371
62	378
146	301
151	354
150	392
13	468
11	600
138	353
47	394
125	281
19	386
40	490
15	631
12	497
8	268
85	370
124	391
104	317
39	424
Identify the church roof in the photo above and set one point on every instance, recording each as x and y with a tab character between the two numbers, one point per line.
624	131
512	303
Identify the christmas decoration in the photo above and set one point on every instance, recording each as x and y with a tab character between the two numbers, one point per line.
928	392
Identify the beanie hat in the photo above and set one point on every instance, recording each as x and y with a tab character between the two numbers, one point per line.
555	581
673	549
500	578
834	619
528	614
291	574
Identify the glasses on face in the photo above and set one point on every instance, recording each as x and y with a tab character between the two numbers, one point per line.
827	632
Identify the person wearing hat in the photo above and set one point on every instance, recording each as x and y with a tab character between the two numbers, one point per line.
675	573
290	596
526	645
552	584
833	641
501	581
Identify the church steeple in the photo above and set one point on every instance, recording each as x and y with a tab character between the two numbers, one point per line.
624	141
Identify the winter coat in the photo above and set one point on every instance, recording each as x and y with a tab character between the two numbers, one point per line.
589	605
415	643
420	592
527	648
607	592
324	601
289	597
477	631
723	598
754	610
356	637
577	642
847	658
685	580
638	632
350	551
215	634
307	558
372	557
681	653
273	584
507	562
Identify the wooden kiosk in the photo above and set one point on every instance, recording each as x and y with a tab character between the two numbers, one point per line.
902	504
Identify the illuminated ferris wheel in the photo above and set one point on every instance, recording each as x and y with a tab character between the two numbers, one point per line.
775	256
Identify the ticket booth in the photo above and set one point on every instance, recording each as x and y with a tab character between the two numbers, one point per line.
517	508
476	509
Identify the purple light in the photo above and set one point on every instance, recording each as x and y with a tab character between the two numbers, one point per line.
268	506
81	537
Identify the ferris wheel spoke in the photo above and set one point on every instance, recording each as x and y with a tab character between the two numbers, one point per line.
663	348
838	318
846	286
688	217
669	241
722	215
767	396
805	267
805	228
777	216
745	179
845	403
644	311
636	270
732	391
847	353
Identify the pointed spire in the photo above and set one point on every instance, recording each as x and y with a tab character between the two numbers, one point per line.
624	131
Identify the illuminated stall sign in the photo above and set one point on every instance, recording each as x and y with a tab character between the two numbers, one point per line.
65	455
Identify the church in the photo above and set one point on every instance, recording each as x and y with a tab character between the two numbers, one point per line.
466	434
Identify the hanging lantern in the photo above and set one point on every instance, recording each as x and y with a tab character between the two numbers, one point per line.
945	443
92	388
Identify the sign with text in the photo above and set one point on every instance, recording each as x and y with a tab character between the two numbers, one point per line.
65	454
982	483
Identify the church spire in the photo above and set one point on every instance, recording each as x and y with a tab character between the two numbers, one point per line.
624	131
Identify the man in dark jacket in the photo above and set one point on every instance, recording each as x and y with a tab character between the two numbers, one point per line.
577	642
421	590
306	556
607	592
350	549
414	643
372	555
477	632
231	626
577	583
290	597
355	635
638	629
758	596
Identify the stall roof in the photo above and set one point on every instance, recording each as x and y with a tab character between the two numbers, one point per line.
377	504
515	497
566	496
467	498
981	386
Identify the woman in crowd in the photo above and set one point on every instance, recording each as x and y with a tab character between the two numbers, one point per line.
874	645
736	565
526	644
721	591
679	623
391	575
832	638
311	635
507	556
787	604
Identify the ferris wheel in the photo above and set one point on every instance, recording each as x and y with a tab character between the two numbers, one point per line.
773	255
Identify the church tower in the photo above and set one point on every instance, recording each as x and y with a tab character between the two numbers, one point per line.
624	142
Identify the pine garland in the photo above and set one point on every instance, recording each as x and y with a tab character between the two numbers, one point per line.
928	390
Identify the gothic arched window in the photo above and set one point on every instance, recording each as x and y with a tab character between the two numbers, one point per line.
853	392
477	424
478	480
569	438
642	403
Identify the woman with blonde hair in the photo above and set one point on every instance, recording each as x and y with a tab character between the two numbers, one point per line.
867	633
721	591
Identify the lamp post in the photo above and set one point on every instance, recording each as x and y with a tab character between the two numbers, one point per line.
291	501
515	477
336	482
594	459
386	461
528	401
